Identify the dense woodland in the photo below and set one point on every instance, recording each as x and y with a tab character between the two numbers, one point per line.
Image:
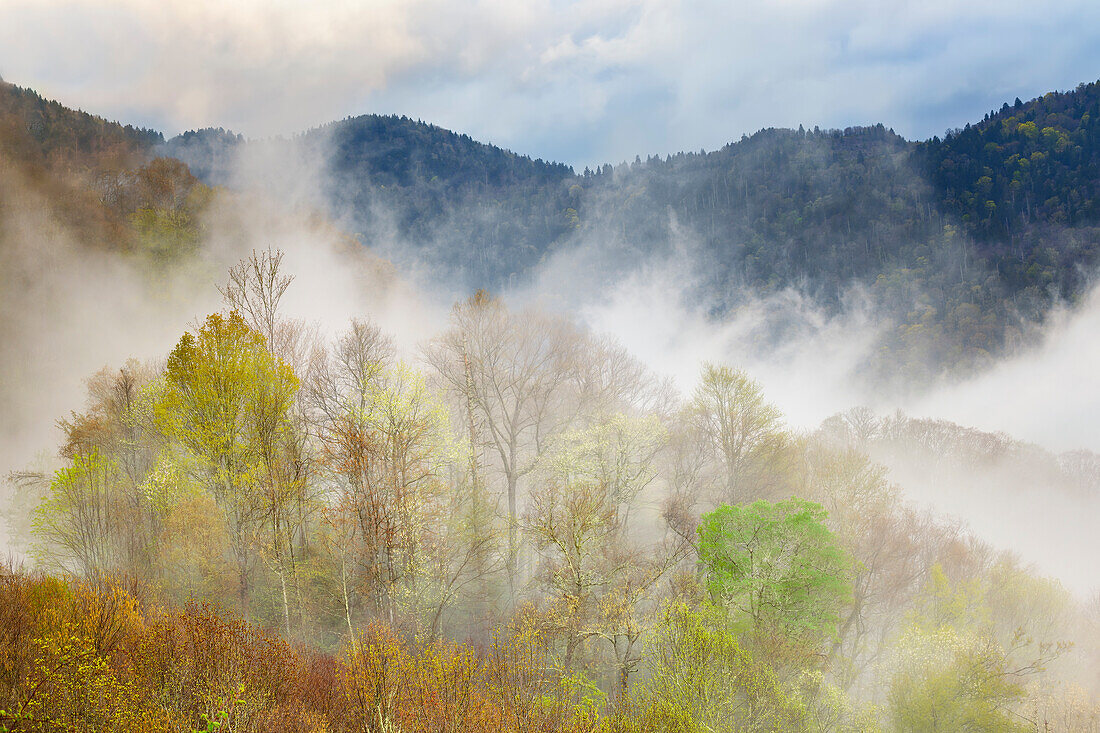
523	529
94	189
965	242
99	179
518	526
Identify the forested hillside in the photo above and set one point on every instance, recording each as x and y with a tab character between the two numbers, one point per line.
36	127
468	209
96	178
525	529
510	523
1022	165
964	243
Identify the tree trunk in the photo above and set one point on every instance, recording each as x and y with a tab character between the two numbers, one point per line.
344	583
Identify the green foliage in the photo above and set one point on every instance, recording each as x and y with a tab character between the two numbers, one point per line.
164	233
776	566
1022	165
810	211
703	680
950	671
220	719
358	521
70	684
100	178
75	688
830	708
813	211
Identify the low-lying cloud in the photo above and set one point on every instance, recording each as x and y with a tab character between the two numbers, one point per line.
1049	395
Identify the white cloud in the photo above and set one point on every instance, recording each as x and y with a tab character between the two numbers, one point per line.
581	81
1049	395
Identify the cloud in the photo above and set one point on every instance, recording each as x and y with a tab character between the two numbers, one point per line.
583	82
1048	395
811	362
805	358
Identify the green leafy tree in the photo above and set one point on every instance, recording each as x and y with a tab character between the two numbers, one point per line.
778	570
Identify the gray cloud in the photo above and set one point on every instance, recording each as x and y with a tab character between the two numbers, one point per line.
583	82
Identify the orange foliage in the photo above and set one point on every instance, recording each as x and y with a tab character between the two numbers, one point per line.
78	657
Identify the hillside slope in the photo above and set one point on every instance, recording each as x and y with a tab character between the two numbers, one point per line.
963	243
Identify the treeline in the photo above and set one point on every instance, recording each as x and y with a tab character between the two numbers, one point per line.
469	209
1024	183
472	208
47	129
823	213
98	179
1024	164
521	530
963	243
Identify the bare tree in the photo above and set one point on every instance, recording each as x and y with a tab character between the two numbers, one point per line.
255	289
744	432
513	370
341	388
894	547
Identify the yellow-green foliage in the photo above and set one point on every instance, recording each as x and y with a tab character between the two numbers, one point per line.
950	671
74	688
223	387
704	681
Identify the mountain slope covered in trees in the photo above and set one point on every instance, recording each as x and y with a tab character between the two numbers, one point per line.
514	524
961	244
964	242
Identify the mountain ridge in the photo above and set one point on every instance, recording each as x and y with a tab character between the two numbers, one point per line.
965	242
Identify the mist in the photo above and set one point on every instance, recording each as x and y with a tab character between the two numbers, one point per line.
807	358
72	308
86	310
811	362
1048	394
620	359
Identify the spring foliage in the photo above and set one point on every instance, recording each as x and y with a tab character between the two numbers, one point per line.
525	532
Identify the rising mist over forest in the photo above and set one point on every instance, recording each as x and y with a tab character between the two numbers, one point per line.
378	427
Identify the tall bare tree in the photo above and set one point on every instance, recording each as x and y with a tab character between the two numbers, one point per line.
514	371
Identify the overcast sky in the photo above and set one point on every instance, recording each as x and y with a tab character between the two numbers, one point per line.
581	82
